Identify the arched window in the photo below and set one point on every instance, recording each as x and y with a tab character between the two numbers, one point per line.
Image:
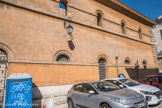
63	7
144	63
127	61
140	33
99	18
63	58
123	25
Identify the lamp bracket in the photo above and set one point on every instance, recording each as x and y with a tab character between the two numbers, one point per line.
67	20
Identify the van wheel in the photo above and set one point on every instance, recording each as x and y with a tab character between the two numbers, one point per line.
105	106
70	103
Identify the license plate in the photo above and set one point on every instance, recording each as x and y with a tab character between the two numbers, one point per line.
140	105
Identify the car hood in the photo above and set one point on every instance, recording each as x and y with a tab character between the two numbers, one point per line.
122	93
144	87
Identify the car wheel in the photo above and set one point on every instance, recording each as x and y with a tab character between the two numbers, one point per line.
105	106
70	103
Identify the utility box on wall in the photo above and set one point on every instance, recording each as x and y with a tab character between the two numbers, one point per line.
19	91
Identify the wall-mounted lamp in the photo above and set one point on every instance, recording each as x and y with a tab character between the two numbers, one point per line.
69	28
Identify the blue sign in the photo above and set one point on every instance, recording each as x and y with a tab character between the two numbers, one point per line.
19	93
121	75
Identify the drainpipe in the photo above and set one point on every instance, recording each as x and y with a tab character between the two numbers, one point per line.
117	65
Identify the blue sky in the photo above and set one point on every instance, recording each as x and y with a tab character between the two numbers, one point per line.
149	8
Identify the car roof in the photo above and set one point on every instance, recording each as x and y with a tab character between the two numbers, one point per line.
114	78
88	82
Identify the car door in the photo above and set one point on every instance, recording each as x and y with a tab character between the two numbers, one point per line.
77	93
89	100
157	80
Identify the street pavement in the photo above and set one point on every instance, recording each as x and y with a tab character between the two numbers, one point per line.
65	106
158	106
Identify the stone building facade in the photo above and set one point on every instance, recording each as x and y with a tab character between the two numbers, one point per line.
33	36
157	33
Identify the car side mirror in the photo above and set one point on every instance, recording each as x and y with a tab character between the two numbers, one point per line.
92	92
121	86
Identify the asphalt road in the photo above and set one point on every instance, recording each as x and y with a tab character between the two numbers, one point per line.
65	106
157	106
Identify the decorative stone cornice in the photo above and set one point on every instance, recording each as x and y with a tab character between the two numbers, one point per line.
128	11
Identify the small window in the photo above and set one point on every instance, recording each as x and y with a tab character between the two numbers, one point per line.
161	34
140	33
63	7
123	26
127	61
99	19
144	63
63	58
78	87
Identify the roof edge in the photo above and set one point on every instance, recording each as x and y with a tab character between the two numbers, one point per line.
128	11
133	11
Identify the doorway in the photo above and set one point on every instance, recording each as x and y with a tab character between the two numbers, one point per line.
102	68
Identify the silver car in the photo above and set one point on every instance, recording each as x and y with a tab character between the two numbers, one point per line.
103	95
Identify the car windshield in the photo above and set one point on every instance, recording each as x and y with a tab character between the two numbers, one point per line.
105	86
158	78
129	82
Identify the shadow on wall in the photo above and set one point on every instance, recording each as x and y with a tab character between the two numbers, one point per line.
36	97
71	45
142	73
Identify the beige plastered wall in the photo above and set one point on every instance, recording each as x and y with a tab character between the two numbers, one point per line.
35	39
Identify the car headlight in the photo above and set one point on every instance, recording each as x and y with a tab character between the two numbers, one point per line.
122	101
146	92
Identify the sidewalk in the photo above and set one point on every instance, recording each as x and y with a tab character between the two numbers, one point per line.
158	106
61	106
